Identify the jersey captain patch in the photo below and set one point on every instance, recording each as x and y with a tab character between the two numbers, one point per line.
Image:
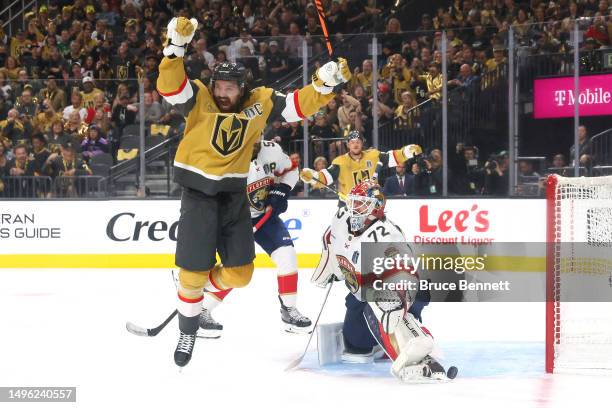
228	133
257	192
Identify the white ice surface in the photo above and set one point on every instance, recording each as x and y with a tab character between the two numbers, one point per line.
67	328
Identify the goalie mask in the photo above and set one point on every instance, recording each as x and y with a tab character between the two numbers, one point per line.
366	204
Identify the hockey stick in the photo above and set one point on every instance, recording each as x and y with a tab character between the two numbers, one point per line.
297	361
340	195
324	27
263	220
141	331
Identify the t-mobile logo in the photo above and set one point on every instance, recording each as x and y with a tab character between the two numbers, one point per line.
587	97
560	98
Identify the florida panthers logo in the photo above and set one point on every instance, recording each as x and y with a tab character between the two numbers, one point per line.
228	133
350	275
257	192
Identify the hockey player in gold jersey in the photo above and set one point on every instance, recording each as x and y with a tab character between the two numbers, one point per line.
223	122
358	164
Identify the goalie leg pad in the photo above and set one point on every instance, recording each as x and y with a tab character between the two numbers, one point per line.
359	344
330	344
406	344
331	347
413	344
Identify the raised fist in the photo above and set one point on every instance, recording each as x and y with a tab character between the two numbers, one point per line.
180	33
331	74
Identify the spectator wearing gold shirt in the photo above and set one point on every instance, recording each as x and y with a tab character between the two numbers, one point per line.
363	77
44	119
406	116
56	95
89	92
433	79
398	75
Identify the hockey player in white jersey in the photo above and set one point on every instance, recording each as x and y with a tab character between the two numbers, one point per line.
384	321
272	176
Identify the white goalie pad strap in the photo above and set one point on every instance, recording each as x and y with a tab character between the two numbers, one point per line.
182	95
285	259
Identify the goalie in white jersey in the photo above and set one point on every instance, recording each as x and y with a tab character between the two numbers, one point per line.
272	176
388	322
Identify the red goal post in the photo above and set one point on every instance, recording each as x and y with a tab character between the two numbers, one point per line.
579	254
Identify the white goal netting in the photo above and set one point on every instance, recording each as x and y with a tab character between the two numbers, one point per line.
579	274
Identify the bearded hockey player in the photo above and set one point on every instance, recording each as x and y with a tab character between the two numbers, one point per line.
383	321
272	176
358	164
223	122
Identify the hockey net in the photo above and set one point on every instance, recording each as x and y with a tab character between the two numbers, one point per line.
579	269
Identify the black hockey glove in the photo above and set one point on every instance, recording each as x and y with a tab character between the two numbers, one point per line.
277	198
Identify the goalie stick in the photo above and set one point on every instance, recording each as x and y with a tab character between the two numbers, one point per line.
143	332
298	360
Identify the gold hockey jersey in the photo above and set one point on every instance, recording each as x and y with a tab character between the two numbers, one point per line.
215	152
349	171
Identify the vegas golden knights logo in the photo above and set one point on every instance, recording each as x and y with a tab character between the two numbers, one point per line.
360	175
228	134
122	71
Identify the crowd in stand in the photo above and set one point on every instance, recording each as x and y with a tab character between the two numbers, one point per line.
69	82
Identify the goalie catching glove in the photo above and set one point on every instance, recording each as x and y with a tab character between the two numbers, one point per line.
179	35
330	75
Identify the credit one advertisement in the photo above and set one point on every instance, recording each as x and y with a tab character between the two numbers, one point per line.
554	97
124	233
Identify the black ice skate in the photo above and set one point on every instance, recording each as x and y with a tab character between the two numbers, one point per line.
293	320
209	328
184	349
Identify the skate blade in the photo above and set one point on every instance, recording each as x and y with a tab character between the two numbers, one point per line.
208	334
289	328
